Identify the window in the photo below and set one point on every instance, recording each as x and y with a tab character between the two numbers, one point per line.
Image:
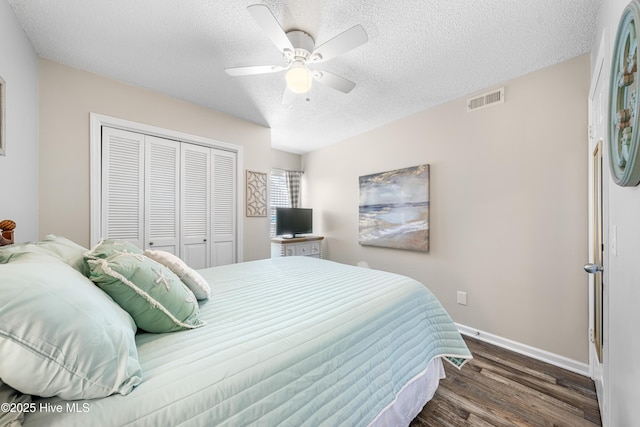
279	195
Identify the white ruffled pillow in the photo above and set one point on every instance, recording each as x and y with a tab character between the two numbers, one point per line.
188	275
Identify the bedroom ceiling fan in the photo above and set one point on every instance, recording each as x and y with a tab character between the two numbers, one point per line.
299	51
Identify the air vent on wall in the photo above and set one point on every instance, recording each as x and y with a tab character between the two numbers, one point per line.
486	100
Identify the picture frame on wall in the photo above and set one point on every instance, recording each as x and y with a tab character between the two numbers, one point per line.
394	209
256	193
3	149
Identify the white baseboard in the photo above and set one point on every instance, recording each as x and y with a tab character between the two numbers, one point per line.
536	353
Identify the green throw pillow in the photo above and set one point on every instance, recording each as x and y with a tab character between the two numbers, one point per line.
155	297
108	247
189	276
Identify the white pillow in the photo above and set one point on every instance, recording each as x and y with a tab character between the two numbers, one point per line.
188	275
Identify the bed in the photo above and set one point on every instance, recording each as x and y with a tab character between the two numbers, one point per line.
287	341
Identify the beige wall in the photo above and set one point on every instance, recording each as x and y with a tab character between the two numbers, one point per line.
287	161
68	95
508	206
19	168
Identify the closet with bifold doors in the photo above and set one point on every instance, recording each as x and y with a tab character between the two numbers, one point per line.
170	195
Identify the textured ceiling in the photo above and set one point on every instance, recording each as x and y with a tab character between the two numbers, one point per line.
420	53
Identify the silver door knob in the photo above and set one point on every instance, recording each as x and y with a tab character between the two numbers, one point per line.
592	268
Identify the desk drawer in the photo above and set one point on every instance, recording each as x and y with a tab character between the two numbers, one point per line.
303	249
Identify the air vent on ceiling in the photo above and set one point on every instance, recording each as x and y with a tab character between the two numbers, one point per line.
486	100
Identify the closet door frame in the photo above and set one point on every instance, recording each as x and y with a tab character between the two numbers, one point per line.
97	121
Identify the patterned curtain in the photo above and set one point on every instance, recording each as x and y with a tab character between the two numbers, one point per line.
293	183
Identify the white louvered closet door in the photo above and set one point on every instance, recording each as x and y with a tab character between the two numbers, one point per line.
162	194
224	207
122	186
169	195
196	205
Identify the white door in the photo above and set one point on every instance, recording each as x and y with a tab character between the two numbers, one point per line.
195	184
598	290
224	207
169	195
162	194
122	186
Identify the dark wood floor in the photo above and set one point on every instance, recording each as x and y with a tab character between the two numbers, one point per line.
501	388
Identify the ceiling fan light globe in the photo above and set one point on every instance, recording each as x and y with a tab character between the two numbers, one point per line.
298	79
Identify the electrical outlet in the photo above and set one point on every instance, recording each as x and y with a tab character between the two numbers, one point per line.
462	298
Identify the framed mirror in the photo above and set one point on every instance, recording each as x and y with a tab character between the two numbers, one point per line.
624	107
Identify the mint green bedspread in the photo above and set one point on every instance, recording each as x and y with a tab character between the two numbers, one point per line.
290	341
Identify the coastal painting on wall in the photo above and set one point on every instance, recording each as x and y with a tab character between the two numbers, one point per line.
394	209
2	118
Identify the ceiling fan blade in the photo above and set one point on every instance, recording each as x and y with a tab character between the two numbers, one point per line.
270	26
288	97
342	43
255	69
334	81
